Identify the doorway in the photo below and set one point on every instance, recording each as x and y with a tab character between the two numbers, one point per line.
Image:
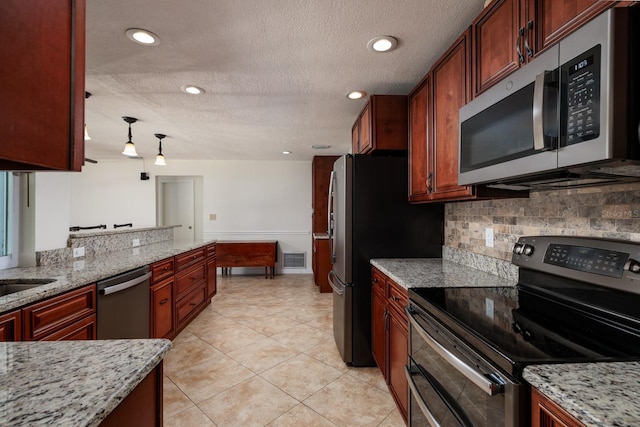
179	202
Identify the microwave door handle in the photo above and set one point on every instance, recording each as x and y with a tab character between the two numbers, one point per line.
538	113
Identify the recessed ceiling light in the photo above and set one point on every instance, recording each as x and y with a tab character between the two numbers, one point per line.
356	94
382	44
144	37
286	152
192	90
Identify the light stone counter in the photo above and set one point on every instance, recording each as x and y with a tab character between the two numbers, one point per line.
597	394
71	383
436	272
84	271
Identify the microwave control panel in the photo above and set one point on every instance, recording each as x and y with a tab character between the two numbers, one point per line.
583	96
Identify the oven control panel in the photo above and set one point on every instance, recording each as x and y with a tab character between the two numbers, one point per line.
592	260
605	262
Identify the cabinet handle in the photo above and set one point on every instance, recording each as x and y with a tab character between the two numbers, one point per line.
164	301
386	320
526	40
518	51
429	179
395	298
193	304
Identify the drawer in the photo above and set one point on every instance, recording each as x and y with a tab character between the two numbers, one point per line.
190	304
378	281
398	296
188	279
84	329
51	315
162	269
190	258
211	250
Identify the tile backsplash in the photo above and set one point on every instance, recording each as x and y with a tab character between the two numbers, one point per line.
606	211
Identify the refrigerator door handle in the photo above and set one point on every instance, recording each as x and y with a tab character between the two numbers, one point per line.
330	220
336	287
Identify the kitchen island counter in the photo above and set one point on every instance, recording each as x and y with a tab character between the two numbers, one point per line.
436	272
597	394
83	271
72	382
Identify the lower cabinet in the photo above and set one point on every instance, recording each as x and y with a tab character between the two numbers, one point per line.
71	315
188	306
546	413
162	315
390	335
321	262
10	326
212	287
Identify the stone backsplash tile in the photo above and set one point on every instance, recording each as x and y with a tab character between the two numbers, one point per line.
607	211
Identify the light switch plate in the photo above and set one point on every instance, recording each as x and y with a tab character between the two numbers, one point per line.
488	237
212	217
78	252
488	308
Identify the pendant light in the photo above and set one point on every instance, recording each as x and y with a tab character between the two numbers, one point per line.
160	158
129	147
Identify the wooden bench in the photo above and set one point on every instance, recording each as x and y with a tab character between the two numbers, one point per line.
247	253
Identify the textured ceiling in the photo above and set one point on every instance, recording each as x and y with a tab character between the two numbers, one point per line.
275	72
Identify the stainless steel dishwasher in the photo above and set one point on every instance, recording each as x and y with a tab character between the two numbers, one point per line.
123	305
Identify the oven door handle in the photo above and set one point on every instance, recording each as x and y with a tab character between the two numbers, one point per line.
474	376
423	406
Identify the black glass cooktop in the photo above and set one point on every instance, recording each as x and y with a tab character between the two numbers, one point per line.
515	326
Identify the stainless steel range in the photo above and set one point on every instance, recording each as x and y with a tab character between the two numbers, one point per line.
576	300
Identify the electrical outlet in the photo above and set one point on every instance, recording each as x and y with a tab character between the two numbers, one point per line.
78	252
212	217
488	237
136	251
136	242
78	265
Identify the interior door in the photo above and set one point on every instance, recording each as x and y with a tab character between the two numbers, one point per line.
178	208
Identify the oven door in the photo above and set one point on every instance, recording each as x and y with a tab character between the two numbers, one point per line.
452	385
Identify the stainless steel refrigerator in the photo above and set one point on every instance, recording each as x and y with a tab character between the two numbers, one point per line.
370	217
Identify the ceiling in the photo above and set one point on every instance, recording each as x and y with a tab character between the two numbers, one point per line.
276	72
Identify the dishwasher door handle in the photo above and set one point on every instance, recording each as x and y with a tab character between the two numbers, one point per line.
125	285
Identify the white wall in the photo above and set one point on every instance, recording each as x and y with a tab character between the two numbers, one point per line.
269	200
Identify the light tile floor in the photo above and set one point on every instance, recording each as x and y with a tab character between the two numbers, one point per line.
263	354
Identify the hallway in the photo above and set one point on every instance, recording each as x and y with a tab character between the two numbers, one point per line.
263	354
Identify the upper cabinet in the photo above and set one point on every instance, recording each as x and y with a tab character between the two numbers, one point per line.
42	84
381	126
509	33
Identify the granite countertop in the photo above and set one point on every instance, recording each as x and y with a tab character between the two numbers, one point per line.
436	272
597	394
71	382
84	271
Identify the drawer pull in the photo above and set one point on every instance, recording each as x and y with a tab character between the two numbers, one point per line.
395	298
192	304
164	301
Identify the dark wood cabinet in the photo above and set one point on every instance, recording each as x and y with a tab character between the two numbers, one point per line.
381	126
510	33
71	314
390	335
162	309
321	167
212	278
42	84
420	171
546	413
10	326
321	258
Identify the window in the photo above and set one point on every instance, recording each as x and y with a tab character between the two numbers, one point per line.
7	220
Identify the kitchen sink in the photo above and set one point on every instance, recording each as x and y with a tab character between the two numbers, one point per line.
11	286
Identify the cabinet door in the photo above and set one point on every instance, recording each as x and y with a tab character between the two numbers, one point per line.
10	326
553	19
162	313
378	329
212	287
398	354
364	126
419	126
450	92
546	413
355	137
42	84
496	40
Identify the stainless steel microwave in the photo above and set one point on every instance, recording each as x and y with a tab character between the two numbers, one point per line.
568	118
